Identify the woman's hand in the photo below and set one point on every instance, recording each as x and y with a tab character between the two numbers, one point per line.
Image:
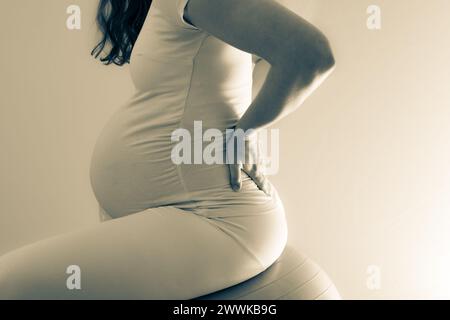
243	155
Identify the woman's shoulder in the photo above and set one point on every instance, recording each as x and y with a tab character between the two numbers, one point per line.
174	11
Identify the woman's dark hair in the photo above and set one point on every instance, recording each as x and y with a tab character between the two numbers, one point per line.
120	21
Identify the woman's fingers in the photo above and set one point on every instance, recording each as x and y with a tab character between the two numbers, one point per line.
258	177
235	176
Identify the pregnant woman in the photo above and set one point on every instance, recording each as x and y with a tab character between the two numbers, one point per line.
181	230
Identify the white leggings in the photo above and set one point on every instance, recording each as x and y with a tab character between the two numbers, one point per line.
159	253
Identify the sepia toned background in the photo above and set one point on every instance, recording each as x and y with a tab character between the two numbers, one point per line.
364	164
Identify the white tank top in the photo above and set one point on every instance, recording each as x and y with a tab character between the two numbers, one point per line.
182	74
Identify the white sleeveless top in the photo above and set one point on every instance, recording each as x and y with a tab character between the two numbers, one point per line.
182	74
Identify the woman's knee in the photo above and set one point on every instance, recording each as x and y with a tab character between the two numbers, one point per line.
23	277
12	286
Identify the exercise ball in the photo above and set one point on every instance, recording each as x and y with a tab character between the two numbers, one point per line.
293	276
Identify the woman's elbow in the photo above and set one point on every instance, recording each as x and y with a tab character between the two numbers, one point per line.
325	57
314	59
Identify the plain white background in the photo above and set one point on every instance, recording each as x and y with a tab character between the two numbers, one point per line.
364	162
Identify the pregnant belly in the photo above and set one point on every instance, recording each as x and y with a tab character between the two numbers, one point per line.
132	170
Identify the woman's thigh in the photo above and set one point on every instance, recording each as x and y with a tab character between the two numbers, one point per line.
160	253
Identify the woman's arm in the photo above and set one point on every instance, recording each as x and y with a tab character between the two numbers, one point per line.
299	54
260	71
